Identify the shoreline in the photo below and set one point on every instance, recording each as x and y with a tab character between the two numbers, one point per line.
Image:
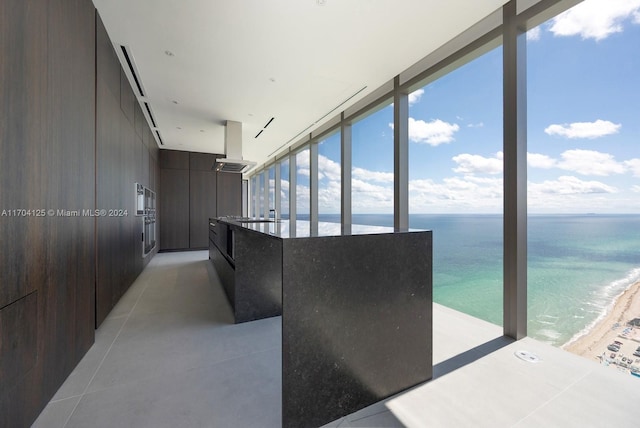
593	344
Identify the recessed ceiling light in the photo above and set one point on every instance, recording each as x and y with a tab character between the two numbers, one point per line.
168	53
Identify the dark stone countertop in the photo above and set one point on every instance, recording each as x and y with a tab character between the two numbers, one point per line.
282	228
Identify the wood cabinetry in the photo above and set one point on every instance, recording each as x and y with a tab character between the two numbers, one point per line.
174	159
174	209
186	204
229	194
47	161
75	141
123	153
202	205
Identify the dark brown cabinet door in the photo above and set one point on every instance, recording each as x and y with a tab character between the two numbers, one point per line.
202	161
146	166
174	209
202	205
206	194
153	171
47	161
127	98
229	194
174	159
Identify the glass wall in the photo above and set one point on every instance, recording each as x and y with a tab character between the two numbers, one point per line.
583	172
271	174
329	179
372	170
284	188
455	183
303	195
583	169
261	201
254	200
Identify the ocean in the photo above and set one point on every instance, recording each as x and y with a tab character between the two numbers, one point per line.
578	265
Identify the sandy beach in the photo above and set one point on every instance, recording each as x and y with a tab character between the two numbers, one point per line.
613	327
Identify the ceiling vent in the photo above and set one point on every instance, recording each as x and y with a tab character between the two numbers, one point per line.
233	150
153	121
132	69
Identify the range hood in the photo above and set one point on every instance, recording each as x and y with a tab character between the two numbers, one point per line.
233	161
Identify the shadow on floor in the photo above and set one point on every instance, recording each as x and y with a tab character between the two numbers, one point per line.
468	357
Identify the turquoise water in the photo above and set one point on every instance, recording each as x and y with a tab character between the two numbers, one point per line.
578	265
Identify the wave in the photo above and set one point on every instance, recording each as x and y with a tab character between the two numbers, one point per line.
610	293
551	334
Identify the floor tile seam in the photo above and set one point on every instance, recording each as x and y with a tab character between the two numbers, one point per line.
115	317
176	372
58	400
104	357
554	397
349	419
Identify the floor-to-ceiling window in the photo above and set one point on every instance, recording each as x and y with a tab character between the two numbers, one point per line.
284	188
583	72
261	202
271	183
455	182
303	195
372	168
582	132
329	182
254	196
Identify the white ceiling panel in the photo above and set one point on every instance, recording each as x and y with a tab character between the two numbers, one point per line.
250	60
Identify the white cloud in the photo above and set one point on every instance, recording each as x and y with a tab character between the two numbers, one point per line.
635	189
595	19
368	197
590	162
415	96
329	197
537	160
303	197
473	164
476	125
569	185
304	171
533	34
596	129
376	176
434	133
456	194
634	166
328	168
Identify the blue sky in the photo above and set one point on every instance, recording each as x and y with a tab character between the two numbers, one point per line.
583	127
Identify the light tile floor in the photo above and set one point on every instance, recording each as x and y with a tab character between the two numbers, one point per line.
168	355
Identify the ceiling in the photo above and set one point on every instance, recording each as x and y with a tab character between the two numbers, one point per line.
203	62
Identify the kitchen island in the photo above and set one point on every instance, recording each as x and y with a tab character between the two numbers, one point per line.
356	309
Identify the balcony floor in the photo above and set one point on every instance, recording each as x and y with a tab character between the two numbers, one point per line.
168	355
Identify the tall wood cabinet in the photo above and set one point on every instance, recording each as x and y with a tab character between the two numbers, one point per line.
202	198
192	192
174	200
47	163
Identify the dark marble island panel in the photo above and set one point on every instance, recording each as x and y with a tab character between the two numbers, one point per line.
356	310
356	324
249	264
258	275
